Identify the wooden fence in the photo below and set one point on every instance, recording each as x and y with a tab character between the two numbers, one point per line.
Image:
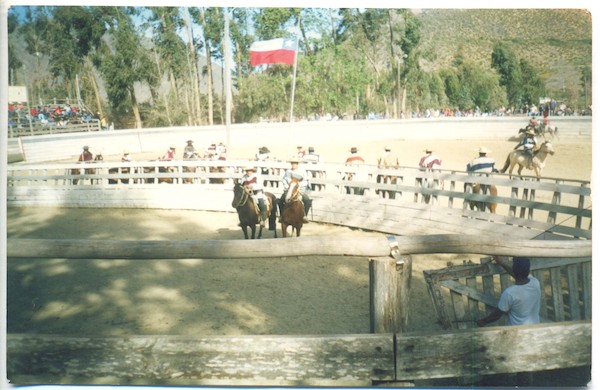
342	360
301	360
416	203
462	294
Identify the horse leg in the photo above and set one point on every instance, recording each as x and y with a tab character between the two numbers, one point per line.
245	230
283	230
298	228
260	228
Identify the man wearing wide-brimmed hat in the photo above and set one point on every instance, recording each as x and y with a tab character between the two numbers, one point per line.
356	174
388	160
482	163
300	174
86	155
254	183
528	143
189	151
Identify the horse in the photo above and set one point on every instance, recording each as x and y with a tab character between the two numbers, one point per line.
248	211
190	156
482	206
87	171
525	160
114	171
292	212
431	181
387	179
541	130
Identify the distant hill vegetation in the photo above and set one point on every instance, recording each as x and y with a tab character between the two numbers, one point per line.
558	42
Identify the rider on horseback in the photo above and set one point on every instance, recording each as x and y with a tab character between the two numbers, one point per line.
189	152
254	183
302	177
528	143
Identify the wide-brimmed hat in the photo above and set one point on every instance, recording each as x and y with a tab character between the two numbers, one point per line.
264	149
353	149
249	168
189	141
387	147
311	149
294	160
483	150
86	147
172	147
428	150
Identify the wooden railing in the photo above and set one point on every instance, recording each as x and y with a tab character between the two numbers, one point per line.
333	360
43	129
358	359
543	205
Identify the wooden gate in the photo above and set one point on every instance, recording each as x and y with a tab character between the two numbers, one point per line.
462	294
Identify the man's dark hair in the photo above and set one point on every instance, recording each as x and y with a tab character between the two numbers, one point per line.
520	267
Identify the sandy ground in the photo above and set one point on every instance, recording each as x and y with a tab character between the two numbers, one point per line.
316	295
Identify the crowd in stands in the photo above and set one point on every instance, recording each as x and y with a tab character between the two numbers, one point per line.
47	115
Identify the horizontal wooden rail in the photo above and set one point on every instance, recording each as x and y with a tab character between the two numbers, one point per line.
298	360
303	246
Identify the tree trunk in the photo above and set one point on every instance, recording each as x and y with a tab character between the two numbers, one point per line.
136	109
164	95
209	79
94	83
195	77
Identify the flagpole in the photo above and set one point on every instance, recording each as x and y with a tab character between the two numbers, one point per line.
295	67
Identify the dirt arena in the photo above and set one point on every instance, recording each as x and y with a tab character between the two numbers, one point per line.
317	295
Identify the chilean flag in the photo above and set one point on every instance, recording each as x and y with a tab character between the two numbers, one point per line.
274	51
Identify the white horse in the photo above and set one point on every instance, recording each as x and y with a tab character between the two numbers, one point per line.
525	160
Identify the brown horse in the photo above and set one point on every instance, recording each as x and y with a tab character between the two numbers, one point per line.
248	211
481	205
292	212
87	171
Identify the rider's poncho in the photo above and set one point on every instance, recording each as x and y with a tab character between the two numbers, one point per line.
483	164
298	174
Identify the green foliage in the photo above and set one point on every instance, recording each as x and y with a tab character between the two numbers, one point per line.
350	61
126	65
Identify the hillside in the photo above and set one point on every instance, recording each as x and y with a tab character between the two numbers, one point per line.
556	41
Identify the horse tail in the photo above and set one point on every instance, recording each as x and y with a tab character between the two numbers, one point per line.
506	164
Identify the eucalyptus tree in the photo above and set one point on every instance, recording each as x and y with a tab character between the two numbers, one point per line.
125	65
13	61
533	87
363	31
409	42
68	36
211	20
505	62
242	38
169	53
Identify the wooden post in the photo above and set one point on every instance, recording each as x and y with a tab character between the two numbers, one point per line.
389	287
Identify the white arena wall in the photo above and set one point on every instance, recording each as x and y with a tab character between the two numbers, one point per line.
68	146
